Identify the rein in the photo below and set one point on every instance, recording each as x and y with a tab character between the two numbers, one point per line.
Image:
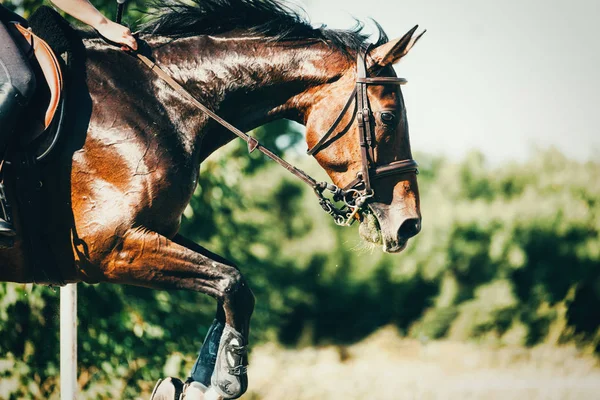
359	191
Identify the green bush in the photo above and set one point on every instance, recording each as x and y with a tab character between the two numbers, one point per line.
506	255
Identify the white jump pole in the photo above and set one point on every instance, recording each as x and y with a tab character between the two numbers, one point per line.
68	342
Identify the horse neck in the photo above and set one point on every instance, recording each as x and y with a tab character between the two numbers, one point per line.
247	81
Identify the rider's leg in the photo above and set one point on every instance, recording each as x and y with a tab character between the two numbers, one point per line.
16	80
17	84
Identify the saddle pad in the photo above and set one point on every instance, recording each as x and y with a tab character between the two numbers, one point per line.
50	69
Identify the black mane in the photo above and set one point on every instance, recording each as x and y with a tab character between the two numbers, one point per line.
270	19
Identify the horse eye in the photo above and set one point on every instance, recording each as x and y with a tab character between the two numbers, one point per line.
387	118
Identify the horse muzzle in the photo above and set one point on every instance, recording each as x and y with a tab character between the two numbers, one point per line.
391	226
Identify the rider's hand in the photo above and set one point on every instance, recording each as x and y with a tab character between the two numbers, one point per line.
117	33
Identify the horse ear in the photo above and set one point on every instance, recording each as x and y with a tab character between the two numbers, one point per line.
391	52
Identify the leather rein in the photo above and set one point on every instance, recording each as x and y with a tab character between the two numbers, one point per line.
355	195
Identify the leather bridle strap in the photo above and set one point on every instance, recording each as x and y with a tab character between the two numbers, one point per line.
319	145
396	167
393	168
382	80
369	81
363	118
253	144
370	170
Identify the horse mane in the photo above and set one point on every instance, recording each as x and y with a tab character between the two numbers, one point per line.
273	20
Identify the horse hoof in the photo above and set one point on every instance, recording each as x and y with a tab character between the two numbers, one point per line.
167	389
229	378
212	394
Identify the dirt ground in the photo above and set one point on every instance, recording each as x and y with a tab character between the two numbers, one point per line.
385	366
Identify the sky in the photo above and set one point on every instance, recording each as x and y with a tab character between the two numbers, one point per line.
505	77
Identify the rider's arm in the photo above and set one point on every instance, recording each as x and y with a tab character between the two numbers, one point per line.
84	11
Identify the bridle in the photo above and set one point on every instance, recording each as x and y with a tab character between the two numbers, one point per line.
356	194
360	189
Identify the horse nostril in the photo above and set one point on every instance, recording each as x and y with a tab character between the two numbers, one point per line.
409	228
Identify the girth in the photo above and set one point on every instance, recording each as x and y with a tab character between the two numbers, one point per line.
356	194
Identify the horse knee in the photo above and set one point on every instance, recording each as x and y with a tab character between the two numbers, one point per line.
234	287
231	281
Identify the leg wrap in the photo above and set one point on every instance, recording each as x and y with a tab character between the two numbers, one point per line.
230	379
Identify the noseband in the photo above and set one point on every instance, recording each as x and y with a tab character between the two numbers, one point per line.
356	194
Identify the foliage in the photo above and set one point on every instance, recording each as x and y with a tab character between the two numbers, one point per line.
507	255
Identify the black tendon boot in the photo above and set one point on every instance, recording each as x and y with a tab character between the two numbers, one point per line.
11	105
205	364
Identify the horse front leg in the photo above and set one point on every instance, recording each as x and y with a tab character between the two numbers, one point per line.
203	368
146	258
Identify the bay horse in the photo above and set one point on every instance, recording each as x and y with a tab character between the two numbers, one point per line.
119	185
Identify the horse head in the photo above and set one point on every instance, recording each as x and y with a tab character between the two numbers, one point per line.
392	215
